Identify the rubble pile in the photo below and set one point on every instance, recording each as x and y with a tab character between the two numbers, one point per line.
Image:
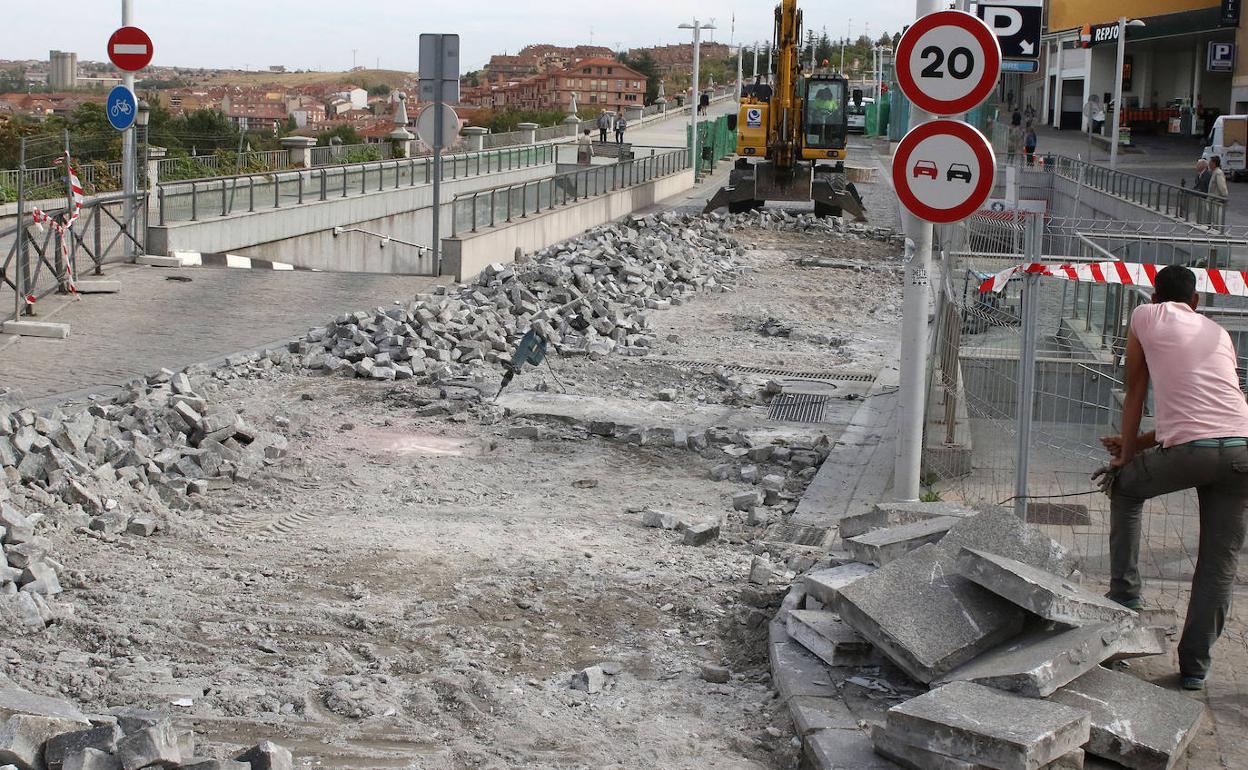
38	732
988	613
588	295
802	222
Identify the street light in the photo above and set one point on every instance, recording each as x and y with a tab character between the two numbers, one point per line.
1122	54
693	108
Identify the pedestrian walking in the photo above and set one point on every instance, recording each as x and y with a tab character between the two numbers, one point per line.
1217	179
1201	185
704	101
604	125
1014	139
1029	143
584	148
620	125
1200	442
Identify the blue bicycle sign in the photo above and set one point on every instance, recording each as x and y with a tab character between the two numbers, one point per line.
121	108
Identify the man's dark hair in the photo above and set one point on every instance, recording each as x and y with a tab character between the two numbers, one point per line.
1215	161
1175	283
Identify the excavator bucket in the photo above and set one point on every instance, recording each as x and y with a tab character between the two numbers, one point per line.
724	196
838	195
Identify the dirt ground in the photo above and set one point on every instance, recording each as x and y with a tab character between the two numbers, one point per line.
405	592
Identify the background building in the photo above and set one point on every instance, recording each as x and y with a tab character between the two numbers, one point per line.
62	70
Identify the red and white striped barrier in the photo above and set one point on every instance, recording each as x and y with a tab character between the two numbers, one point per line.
1208	280
43	218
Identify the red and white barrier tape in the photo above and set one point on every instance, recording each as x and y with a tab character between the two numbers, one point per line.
1208	280
42	218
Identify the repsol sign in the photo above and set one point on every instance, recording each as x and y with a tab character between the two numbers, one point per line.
1096	34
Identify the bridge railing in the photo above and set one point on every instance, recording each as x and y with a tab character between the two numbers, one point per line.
506	203
1181	203
338	154
199	199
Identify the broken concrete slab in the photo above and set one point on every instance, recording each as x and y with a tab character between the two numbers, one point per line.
197	763
926	617
796	672
1036	664
881	546
998	530
36	329
92	759
1141	642
156	745
813	714
701	534
662	520
915	758
22	702
885	515
826	584
844	749
994	728
22	737
1134	723
590	680
1042	593
103	738
830	639
267	755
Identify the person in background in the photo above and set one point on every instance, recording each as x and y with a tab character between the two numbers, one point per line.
704	101
584	148
1201	185
620	125
1029	143
1217	179
604	125
1014	139
1200	442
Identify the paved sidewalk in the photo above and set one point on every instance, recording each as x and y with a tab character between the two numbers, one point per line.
156	322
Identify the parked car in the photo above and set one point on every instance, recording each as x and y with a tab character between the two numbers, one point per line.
926	168
958	171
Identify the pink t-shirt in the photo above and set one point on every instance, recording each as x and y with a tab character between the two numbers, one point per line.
1191	364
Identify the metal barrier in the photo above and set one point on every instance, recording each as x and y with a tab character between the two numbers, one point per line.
194	200
338	154
34	266
1173	201
498	205
274	159
54	176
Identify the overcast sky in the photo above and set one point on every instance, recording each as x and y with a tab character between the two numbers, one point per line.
320	34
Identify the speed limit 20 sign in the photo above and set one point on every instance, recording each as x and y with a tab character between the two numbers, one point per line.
948	62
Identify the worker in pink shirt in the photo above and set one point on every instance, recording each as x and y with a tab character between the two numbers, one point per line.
1200	441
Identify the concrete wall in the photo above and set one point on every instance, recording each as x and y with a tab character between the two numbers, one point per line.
468	254
303	235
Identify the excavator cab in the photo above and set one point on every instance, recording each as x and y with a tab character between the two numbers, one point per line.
825	122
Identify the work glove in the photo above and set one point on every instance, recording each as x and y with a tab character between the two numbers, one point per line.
1105	477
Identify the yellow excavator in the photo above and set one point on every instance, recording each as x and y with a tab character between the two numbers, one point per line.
792	138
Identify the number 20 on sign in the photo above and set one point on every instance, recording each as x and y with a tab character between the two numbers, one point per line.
948	62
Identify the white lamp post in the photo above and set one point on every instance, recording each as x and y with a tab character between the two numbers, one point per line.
1123	24
693	108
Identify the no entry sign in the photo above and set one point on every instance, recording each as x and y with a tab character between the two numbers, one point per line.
943	171
130	49
948	62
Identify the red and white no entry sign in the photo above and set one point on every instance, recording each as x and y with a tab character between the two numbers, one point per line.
943	171
948	62
130	49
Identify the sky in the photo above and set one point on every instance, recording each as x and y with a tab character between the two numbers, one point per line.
321	35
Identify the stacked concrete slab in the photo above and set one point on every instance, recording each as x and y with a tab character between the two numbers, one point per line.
990	614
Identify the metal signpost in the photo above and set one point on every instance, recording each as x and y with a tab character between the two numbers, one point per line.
947	62
130	50
439	84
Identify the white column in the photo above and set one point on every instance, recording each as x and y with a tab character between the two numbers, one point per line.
1057	94
1122	52
1087	85
1045	116
1198	68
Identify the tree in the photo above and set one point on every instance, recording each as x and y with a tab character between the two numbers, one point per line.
291	125
346	133
645	64
381	89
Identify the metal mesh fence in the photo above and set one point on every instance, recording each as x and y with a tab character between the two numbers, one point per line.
978	360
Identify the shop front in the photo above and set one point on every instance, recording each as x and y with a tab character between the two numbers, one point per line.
1178	70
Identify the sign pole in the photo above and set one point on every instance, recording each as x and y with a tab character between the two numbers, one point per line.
1122	50
128	149
438	75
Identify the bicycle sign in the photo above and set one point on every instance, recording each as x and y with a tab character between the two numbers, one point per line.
121	108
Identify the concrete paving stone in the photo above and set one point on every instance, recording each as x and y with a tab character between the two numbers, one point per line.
1036	664
885	515
813	714
1134	723
842	749
92	759
881	546
662	520
22	737
47	329
103	738
197	763
22	702
267	755
998	530
796	672
988	726
830	639
915	758
926	617
156	745
590	680
1042	593
826	584
1139	641
132	719
701	534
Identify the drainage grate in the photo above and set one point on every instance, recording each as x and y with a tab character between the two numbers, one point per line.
798	407
790	373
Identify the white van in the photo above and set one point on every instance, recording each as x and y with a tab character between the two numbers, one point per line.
857	115
1228	140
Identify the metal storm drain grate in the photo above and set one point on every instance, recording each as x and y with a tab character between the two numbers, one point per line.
825	375
798	407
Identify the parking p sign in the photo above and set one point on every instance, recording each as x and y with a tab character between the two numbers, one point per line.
1221	57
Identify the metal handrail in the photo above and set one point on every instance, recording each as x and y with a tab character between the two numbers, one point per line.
562	188
1182	203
